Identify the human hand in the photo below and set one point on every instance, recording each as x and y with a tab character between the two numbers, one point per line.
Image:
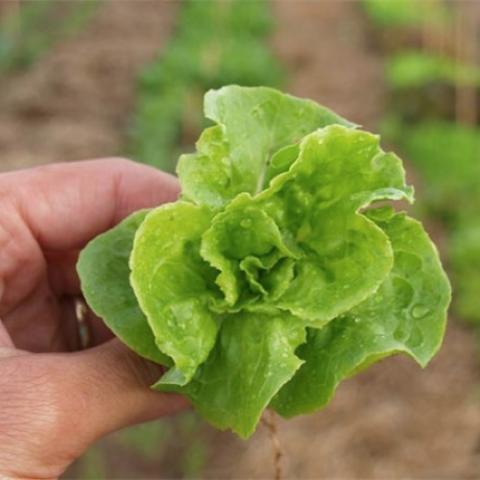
55	400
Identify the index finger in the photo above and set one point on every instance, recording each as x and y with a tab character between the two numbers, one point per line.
66	205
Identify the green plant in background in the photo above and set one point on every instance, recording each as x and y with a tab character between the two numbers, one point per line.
93	466
270	281
419	69
423	85
177	447
12	27
36	26
446	156
216	43
404	13
464	248
148	440
194	456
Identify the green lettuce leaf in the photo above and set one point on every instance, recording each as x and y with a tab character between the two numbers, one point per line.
273	278
251	125
308	220
104	273
317	202
172	285
407	314
253	358
242	240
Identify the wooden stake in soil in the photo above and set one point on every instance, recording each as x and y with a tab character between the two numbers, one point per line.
269	419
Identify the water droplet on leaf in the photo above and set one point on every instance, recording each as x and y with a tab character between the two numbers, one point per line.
419	311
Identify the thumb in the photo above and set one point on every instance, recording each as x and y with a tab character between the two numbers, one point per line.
53	406
112	385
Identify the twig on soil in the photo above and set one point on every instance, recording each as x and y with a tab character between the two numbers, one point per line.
269	419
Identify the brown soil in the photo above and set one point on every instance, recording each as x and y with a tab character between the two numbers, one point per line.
394	420
324	45
75	103
6	7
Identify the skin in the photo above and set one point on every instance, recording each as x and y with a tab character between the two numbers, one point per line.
55	399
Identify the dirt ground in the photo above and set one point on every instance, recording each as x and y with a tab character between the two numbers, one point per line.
393	421
76	101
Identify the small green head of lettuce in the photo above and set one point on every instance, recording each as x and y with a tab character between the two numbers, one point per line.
272	278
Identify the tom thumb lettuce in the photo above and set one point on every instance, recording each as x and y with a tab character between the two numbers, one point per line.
276	275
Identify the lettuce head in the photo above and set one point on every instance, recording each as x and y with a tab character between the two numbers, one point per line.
281	271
